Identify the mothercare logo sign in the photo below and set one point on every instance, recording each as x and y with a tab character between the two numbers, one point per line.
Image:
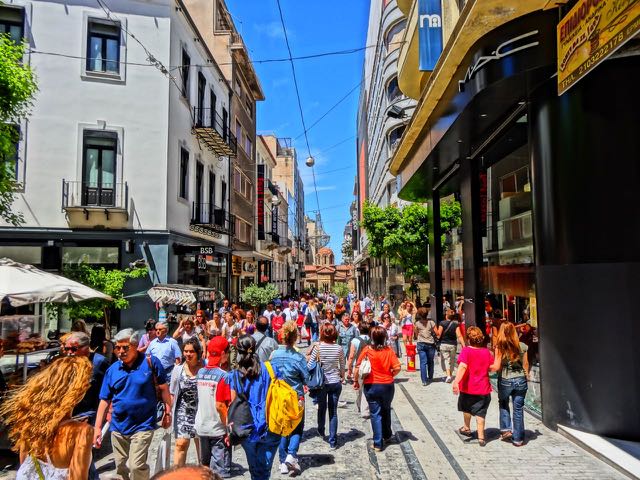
429	33
590	32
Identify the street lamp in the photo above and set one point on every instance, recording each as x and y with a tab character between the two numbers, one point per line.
310	162
275	201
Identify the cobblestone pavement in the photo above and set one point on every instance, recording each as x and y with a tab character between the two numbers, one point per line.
425	420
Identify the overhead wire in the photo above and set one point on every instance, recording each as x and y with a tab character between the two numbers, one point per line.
295	83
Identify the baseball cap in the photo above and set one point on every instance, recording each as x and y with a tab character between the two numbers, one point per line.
216	348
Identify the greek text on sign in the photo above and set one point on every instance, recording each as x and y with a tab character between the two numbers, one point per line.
590	33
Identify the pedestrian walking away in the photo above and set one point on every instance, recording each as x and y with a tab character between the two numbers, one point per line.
425	344
449	335
378	384
52	445
264	344
472	383
252	380
512	363
129	388
291	366
332	359
214	397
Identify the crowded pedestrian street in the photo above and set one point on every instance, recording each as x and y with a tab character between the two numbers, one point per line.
362	239
424	420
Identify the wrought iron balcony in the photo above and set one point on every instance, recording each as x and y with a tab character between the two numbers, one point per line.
213	132
93	195
212	221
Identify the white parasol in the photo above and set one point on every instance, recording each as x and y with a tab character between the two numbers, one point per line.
22	284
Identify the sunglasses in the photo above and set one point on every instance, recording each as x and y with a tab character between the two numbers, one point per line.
161	329
73	349
124	348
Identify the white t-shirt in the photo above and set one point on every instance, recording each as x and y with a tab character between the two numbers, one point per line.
208	423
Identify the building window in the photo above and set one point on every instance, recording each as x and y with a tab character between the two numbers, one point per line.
103	47
247	145
393	90
238	131
243	230
12	160
242	184
394	137
393	37
212	106
99	169
185	68
12	23
184	173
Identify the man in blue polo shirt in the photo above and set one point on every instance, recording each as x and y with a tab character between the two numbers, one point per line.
128	387
165	348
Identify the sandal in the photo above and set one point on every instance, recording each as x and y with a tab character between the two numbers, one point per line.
465	431
482	442
506	436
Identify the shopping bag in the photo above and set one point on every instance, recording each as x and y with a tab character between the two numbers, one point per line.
164	452
304	333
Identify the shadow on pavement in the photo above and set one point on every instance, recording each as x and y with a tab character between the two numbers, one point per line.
403	435
316	460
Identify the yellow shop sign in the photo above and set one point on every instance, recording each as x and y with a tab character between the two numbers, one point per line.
590	32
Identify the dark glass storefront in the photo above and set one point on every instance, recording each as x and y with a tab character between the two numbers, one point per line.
549	232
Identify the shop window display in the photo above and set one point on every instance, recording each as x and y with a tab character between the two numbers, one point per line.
508	271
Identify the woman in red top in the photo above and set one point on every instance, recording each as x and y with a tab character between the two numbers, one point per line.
472	383
378	385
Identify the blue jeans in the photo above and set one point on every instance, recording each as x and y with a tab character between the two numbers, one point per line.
328	397
516	388
379	396
426	352
260	455
314	332
291	444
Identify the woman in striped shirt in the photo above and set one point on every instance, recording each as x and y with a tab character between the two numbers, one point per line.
331	357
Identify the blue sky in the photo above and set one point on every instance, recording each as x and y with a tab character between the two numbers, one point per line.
313	27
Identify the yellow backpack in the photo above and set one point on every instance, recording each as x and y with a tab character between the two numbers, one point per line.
284	413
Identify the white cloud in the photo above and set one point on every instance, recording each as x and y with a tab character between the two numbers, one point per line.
323	188
272	30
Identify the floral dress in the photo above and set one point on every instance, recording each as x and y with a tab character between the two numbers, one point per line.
186	407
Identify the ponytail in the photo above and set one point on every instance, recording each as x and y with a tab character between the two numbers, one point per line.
248	361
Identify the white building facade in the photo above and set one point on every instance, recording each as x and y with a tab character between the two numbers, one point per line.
383	114
126	153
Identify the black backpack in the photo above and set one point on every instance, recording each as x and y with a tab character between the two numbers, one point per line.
239	418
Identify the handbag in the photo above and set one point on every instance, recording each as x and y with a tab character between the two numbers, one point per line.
160	410
315	380
164	453
365	367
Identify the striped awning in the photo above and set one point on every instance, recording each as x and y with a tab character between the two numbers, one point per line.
172	295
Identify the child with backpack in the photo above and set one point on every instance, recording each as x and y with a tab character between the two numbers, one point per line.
247	418
291	367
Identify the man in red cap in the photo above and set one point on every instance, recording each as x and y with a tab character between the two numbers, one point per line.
214	398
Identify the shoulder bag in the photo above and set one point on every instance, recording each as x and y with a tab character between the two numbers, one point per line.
365	366
315	380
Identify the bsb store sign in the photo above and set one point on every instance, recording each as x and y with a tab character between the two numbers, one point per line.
591	32
429	33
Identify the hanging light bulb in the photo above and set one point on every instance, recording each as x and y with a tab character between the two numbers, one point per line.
310	162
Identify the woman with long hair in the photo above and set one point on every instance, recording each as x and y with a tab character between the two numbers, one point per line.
424	333
184	393
472	383
312	319
332	358
512	363
38	416
406	314
378	384
252	379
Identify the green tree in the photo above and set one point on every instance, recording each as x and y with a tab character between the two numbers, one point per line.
106	281
347	250
17	88
341	289
450	218
256	296
401	235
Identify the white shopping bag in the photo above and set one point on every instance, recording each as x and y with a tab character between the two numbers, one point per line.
164	452
304	333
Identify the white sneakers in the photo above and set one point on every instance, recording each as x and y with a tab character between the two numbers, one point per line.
284	469
292	464
448	379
